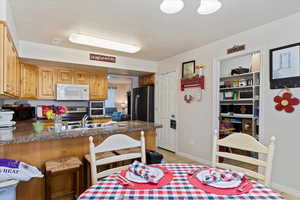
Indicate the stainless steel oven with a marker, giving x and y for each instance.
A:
(96, 109)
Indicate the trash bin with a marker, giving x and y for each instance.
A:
(8, 189)
(153, 157)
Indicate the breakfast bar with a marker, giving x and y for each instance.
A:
(37, 148)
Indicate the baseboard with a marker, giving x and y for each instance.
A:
(286, 189)
(195, 158)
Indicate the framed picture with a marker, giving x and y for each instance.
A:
(285, 67)
(188, 69)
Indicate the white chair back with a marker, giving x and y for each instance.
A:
(114, 143)
(245, 142)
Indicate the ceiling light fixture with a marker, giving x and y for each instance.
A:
(209, 6)
(101, 43)
(171, 6)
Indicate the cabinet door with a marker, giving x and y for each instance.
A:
(47, 83)
(18, 77)
(29, 81)
(65, 76)
(98, 85)
(81, 77)
(9, 66)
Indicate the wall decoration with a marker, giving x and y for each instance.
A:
(236, 48)
(103, 58)
(188, 69)
(286, 102)
(188, 98)
(285, 67)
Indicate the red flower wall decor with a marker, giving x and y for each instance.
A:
(286, 102)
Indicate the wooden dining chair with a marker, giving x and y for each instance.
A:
(114, 143)
(248, 143)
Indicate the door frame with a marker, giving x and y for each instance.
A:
(157, 104)
(216, 85)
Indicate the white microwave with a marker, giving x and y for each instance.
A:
(72, 92)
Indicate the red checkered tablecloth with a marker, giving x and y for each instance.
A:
(179, 188)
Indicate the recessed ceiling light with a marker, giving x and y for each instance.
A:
(171, 6)
(209, 6)
(101, 43)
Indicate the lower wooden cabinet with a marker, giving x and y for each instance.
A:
(98, 86)
(47, 83)
(29, 81)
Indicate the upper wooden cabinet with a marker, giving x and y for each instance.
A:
(29, 81)
(98, 85)
(81, 77)
(9, 64)
(65, 76)
(147, 80)
(47, 83)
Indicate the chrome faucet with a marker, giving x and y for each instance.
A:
(84, 121)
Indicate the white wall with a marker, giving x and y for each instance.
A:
(7, 16)
(195, 120)
(39, 51)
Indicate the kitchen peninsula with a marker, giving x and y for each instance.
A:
(35, 149)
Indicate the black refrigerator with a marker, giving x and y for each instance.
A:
(141, 104)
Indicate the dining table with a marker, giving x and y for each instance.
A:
(179, 187)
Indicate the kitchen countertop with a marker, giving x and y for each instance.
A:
(24, 132)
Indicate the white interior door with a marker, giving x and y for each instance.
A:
(167, 96)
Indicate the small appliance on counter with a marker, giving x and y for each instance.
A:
(96, 109)
(21, 112)
(6, 124)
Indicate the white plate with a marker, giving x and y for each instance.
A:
(221, 184)
(135, 178)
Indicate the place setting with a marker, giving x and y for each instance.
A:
(141, 176)
(220, 181)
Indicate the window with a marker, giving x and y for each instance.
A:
(110, 102)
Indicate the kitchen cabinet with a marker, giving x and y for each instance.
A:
(65, 76)
(18, 77)
(81, 77)
(9, 64)
(147, 80)
(98, 85)
(29, 81)
(47, 83)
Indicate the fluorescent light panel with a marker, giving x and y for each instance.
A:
(101, 43)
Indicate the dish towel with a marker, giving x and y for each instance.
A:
(221, 175)
(143, 171)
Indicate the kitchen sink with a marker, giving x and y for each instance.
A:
(78, 127)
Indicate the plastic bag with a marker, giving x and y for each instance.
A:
(17, 170)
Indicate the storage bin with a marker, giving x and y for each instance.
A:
(8, 190)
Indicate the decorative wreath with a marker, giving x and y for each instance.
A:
(286, 102)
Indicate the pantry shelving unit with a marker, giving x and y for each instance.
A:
(239, 99)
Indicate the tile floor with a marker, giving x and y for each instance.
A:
(170, 157)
